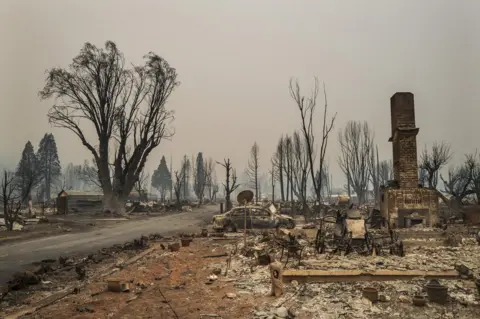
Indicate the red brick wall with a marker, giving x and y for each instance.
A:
(402, 110)
(409, 198)
(407, 166)
(404, 146)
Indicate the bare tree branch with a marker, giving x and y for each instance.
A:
(306, 106)
(230, 184)
(432, 162)
(356, 143)
(125, 106)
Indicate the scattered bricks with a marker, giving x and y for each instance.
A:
(186, 241)
(174, 247)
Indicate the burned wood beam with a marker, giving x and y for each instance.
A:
(310, 276)
(216, 256)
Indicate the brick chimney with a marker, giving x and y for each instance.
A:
(404, 139)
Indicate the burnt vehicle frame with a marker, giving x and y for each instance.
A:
(256, 217)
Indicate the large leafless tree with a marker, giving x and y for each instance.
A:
(385, 172)
(356, 143)
(316, 153)
(125, 106)
(141, 185)
(374, 172)
(288, 166)
(178, 186)
(459, 183)
(300, 167)
(476, 175)
(185, 173)
(13, 193)
(230, 184)
(432, 161)
(278, 162)
(211, 186)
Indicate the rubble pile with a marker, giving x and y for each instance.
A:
(344, 300)
(422, 258)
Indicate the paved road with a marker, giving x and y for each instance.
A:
(19, 256)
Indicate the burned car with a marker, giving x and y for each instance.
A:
(257, 217)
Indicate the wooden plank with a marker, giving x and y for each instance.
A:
(306, 276)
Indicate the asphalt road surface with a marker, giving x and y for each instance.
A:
(20, 256)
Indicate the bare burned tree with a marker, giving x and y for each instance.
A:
(209, 177)
(306, 106)
(300, 168)
(14, 192)
(459, 183)
(278, 161)
(252, 169)
(433, 161)
(230, 184)
(178, 186)
(374, 172)
(273, 178)
(385, 172)
(356, 143)
(327, 182)
(125, 106)
(476, 176)
(88, 174)
(288, 166)
(141, 185)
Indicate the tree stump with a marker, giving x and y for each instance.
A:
(276, 274)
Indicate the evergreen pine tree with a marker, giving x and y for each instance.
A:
(162, 178)
(27, 170)
(199, 177)
(48, 163)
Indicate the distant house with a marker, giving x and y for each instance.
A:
(81, 201)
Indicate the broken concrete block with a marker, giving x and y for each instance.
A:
(230, 295)
(281, 312)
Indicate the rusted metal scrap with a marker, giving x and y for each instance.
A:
(347, 232)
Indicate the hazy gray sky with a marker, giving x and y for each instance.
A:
(235, 57)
